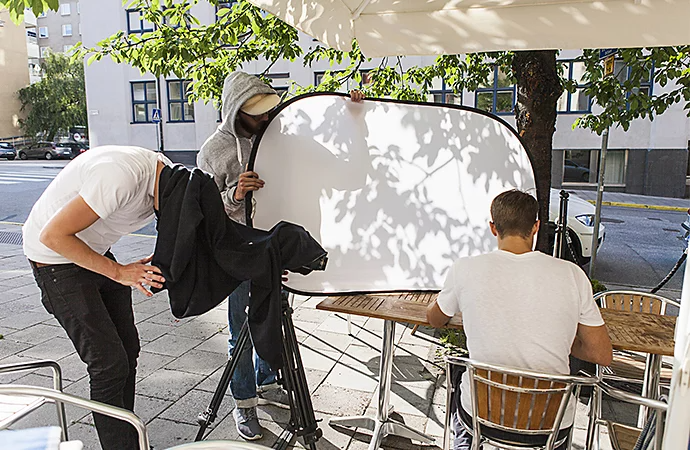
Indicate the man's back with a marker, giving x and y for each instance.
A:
(519, 310)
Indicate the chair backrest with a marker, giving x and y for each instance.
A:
(519, 401)
(634, 301)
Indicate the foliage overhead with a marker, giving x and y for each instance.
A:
(58, 101)
(17, 7)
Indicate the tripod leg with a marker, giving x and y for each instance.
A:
(207, 417)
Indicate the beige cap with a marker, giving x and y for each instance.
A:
(260, 103)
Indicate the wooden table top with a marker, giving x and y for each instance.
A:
(649, 333)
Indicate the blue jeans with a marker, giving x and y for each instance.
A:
(251, 371)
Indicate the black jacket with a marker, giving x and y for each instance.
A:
(204, 256)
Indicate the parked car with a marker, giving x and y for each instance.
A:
(580, 225)
(7, 151)
(575, 173)
(75, 148)
(44, 150)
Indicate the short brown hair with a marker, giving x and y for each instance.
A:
(514, 213)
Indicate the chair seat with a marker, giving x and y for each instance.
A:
(14, 407)
(631, 367)
(623, 437)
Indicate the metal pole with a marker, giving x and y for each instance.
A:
(600, 194)
(159, 130)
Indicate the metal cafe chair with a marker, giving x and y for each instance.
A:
(13, 408)
(627, 367)
(60, 398)
(624, 437)
(529, 405)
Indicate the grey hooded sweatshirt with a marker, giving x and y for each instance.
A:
(225, 154)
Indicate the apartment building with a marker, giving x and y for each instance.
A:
(58, 31)
(18, 61)
(650, 158)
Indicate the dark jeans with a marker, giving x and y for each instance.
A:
(97, 314)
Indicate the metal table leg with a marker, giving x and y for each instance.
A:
(650, 386)
(382, 425)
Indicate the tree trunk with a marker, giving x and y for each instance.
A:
(538, 90)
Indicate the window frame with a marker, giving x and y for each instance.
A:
(182, 101)
(43, 52)
(65, 9)
(64, 32)
(141, 29)
(40, 36)
(145, 102)
(568, 105)
(445, 91)
(495, 90)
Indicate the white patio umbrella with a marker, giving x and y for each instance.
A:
(432, 27)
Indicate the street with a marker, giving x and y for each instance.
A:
(641, 245)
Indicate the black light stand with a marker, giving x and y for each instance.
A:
(562, 228)
(302, 420)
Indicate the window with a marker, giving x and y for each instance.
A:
(622, 72)
(44, 52)
(498, 95)
(42, 32)
(578, 101)
(440, 93)
(65, 9)
(581, 166)
(280, 82)
(144, 100)
(136, 24)
(67, 29)
(224, 5)
(179, 108)
(351, 83)
(67, 48)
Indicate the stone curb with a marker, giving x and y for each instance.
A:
(642, 206)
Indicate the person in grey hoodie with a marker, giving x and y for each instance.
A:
(246, 103)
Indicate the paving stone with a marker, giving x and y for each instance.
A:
(164, 318)
(314, 378)
(310, 315)
(337, 324)
(149, 331)
(86, 433)
(223, 430)
(218, 315)
(11, 377)
(350, 402)
(332, 439)
(273, 413)
(164, 434)
(10, 347)
(38, 333)
(210, 383)
(148, 408)
(18, 281)
(148, 363)
(217, 343)
(55, 348)
(197, 329)
(171, 345)
(73, 369)
(318, 359)
(325, 340)
(24, 319)
(194, 402)
(18, 306)
(199, 362)
(168, 384)
(436, 423)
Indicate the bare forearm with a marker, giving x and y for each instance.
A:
(74, 249)
(598, 354)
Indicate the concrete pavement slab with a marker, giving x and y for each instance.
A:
(168, 384)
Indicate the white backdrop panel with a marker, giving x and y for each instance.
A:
(395, 192)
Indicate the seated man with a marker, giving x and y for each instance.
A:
(520, 308)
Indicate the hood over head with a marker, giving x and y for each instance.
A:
(237, 89)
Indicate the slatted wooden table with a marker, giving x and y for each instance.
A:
(640, 332)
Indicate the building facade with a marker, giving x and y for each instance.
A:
(650, 158)
(58, 31)
(18, 58)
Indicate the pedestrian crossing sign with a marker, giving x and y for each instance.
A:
(155, 115)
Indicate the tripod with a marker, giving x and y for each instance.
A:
(302, 420)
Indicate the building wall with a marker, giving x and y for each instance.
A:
(639, 161)
(54, 21)
(15, 73)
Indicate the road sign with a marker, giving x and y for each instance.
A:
(609, 64)
(155, 115)
(606, 52)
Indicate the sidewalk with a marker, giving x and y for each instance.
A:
(634, 200)
(181, 362)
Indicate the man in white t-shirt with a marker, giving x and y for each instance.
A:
(96, 199)
(520, 308)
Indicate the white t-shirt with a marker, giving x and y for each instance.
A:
(519, 311)
(117, 182)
